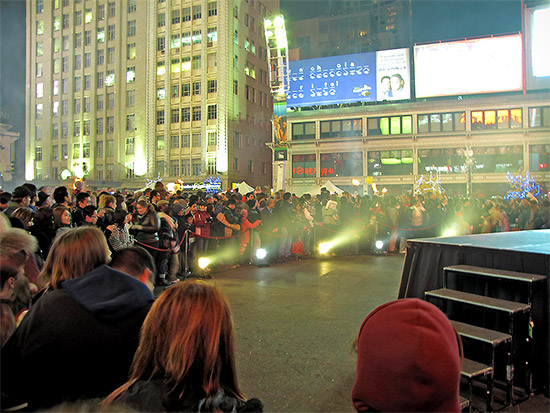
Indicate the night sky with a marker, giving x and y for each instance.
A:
(437, 20)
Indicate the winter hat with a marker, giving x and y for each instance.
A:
(20, 192)
(162, 203)
(177, 208)
(408, 360)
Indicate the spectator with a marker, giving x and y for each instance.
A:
(120, 237)
(186, 357)
(137, 262)
(408, 360)
(62, 218)
(82, 201)
(5, 198)
(20, 198)
(43, 229)
(61, 197)
(89, 216)
(86, 326)
(146, 226)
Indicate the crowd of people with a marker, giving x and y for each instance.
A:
(78, 271)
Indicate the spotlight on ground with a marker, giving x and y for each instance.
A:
(260, 258)
(379, 245)
(203, 263)
(449, 232)
(325, 247)
(261, 253)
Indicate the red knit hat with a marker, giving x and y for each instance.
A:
(408, 360)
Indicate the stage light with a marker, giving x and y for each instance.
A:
(325, 247)
(379, 244)
(449, 232)
(203, 263)
(261, 253)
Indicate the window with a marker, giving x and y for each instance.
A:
(99, 171)
(110, 124)
(175, 141)
(212, 86)
(236, 164)
(110, 101)
(87, 59)
(87, 82)
(174, 168)
(212, 8)
(38, 133)
(185, 89)
(246, 19)
(39, 6)
(161, 93)
(99, 80)
(111, 32)
(250, 70)
(176, 16)
(131, 122)
(76, 131)
(197, 12)
(174, 115)
(111, 9)
(197, 167)
(484, 119)
(160, 117)
(131, 51)
(161, 44)
(64, 134)
(160, 142)
(539, 117)
(110, 148)
(197, 37)
(86, 130)
(55, 109)
(539, 158)
(236, 12)
(196, 88)
(131, 28)
(442, 122)
(77, 62)
(185, 167)
(86, 150)
(39, 49)
(175, 66)
(175, 41)
(250, 165)
(395, 162)
(88, 16)
(236, 87)
(77, 17)
(130, 74)
(161, 20)
(212, 138)
(212, 35)
(197, 140)
(175, 91)
(185, 114)
(130, 141)
(77, 83)
(132, 6)
(101, 35)
(38, 153)
(393, 125)
(87, 105)
(99, 149)
(65, 21)
(55, 153)
(110, 78)
(196, 62)
(212, 112)
(212, 61)
(185, 140)
(186, 39)
(77, 40)
(100, 12)
(99, 126)
(161, 69)
(305, 130)
(186, 14)
(65, 86)
(498, 159)
(196, 113)
(130, 98)
(64, 107)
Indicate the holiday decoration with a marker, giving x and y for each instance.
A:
(154, 181)
(429, 184)
(522, 186)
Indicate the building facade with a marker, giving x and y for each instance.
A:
(125, 91)
(353, 27)
(392, 145)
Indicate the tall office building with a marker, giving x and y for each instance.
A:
(123, 91)
(353, 26)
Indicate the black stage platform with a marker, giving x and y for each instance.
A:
(521, 251)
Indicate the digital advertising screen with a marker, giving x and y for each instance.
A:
(364, 77)
(537, 47)
(466, 67)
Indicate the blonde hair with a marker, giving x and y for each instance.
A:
(105, 201)
(74, 253)
(25, 215)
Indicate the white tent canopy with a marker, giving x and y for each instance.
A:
(333, 189)
(316, 189)
(244, 188)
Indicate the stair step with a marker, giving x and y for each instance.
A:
(481, 334)
(464, 403)
(493, 272)
(472, 369)
(497, 304)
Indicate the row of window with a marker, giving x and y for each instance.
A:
(184, 39)
(185, 14)
(186, 63)
(187, 114)
(100, 53)
(186, 140)
(187, 89)
(487, 159)
(111, 9)
(427, 123)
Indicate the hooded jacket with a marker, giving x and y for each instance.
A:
(76, 342)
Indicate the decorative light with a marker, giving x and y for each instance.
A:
(203, 262)
(430, 183)
(522, 186)
(153, 181)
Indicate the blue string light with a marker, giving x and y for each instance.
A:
(522, 185)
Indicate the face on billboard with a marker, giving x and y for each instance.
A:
(347, 78)
(468, 67)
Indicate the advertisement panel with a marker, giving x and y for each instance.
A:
(364, 77)
(537, 47)
(467, 67)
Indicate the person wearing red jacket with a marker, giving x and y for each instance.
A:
(202, 219)
(246, 226)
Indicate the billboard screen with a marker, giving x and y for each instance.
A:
(467, 67)
(537, 47)
(364, 77)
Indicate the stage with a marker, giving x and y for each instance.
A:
(521, 251)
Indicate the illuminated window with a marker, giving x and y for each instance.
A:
(130, 74)
(131, 51)
(394, 162)
(56, 23)
(56, 45)
(175, 66)
(161, 69)
(212, 35)
(389, 125)
(40, 27)
(39, 110)
(100, 34)
(197, 37)
(186, 39)
(160, 142)
(161, 93)
(110, 78)
(185, 64)
(88, 16)
(175, 41)
(39, 49)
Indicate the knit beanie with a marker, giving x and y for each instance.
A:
(408, 360)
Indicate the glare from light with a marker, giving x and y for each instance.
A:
(325, 247)
(268, 23)
(449, 232)
(379, 244)
(384, 190)
(261, 253)
(279, 21)
(355, 182)
(78, 171)
(171, 187)
(268, 34)
(203, 262)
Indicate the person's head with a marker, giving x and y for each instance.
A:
(250, 196)
(137, 262)
(61, 195)
(89, 213)
(5, 198)
(83, 199)
(44, 220)
(177, 209)
(231, 203)
(74, 253)
(107, 201)
(8, 277)
(163, 205)
(187, 338)
(397, 82)
(62, 216)
(385, 84)
(25, 215)
(21, 195)
(32, 189)
(44, 200)
(252, 203)
(408, 359)
(155, 196)
(142, 207)
(270, 203)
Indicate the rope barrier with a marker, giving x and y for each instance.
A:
(407, 229)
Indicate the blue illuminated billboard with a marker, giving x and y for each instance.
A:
(364, 77)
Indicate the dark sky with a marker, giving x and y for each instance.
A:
(437, 20)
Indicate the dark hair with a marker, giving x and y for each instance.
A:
(118, 217)
(5, 197)
(154, 192)
(81, 196)
(31, 187)
(6, 273)
(286, 196)
(133, 261)
(231, 201)
(59, 194)
(88, 211)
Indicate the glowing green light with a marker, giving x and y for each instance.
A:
(268, 23)
(279, 21)
(65, 174)
(203, 262)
